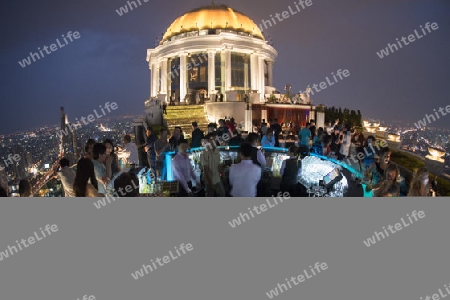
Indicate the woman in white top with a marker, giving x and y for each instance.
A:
(346, 142)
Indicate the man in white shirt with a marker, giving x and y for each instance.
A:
(345, 146)
(67, 177)
(329, 129)
(183, 170)
(244, 176)
(99, 151)
(129, 152)
(336, 123)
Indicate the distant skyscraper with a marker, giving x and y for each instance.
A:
(29, 160)
(62, 118)
(20, 167)
(69, 141)
(3, 179)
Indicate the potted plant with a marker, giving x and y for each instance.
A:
(272, 98)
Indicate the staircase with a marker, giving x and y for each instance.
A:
(184, 115)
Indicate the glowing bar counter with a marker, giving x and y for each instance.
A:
(314, 167)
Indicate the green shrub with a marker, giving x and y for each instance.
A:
(411, 162)
(407, 161)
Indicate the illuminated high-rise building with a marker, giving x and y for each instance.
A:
(19, 167)
(69, 143)
(3, 179)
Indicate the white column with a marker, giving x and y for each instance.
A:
(211, 73)
(227, 70)
(158, 78)
(270, 73)
(254, 72)
(222, 71)
(163, 84)
(169, 79)
(261, 77)
(320, 119)
(183, 76)
(248, 125)
(246, 77)
(151, 79)
(155, 80)
(264, 115)
(312, 115)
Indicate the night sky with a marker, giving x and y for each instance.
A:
(107, 63)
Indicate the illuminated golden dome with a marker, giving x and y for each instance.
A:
(213, 17)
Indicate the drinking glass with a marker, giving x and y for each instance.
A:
(310, 191)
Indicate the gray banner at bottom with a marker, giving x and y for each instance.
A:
(224, 248)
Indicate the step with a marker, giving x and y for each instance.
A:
(184, 115)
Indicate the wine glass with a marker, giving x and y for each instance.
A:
(309, 189)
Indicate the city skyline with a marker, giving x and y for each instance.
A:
(107, 60)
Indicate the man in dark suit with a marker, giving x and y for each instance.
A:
(197, 136)
(276, 131)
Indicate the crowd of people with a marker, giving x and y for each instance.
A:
(369, 155)
(94, 171)
(103, 161)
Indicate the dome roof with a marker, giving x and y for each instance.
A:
(213, 17)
